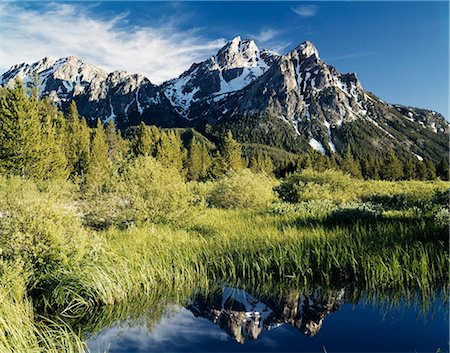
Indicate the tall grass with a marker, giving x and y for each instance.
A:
(391, 239)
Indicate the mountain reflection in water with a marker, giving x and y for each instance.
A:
(242, 316)
(269, 318)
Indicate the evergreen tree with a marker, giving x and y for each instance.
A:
(98, 170)
(409, 168)
(20, 135)
(262, 162)
(84, 147)
(431, 170)
(231, 153)
(198, 160)
(146, 140)
(117, 147)
(194, 160)
(442, 169)
(170, 151)
(392, 168)
(53, 155)
(365, 168)
(349, 165)
(421, 171)
(73, 131)
(78, 142)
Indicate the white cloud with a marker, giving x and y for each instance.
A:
(266, 35)
(305, 10)
(160, 51)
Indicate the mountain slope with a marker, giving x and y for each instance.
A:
(126, 98)
(294, 102)
(326, 109)
(236, 65)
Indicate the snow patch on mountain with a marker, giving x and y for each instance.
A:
(235, 66)
(317, 145)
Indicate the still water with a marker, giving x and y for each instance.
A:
(229, 319)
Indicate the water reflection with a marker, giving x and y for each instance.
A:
(243, 316)
(276, 318)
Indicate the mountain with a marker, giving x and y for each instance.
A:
(326, 110)
(245, 317)
(126, 98)
(293, 102)
(235, 66)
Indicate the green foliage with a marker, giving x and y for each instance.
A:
(145, 140)
(242, 189)
(442, 169)
(392, 169)
(170, 151)
(145, 191)
(37, 228)
(309, 184)
(29, 143)
(152, 192)
(350, 165)
(231, 153)
(198, 160)
(261, 163)
(98, 172)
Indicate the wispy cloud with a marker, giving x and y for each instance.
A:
(161, 51)
(266, 35)
(305, 10)
(348, 56)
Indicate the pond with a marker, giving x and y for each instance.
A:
(229, 319)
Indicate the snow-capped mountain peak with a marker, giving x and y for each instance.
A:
(308, 49)
(236, 65)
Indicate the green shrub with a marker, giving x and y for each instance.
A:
(38, 229)
(312, 185)
(242, 189)
(150, 192)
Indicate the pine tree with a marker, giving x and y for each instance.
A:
(98, 170)
(73, 136)
(442, 169)
(231, 153)
(431, 170)
(146, 140)
(84, 148)
(421, 171)
(20, 135)
(170, 151)
(117, 147)
(392, 168)
(409, 168)
(262, 163)
(194, 160)
(253, 164)
(365, 168)
(349, 165)
(53, 153)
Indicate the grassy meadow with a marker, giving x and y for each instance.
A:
(67, 254)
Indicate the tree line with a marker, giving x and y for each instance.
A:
(39, 141)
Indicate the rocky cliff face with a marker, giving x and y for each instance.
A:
(259, 95)
(126, 98)
(234, 67)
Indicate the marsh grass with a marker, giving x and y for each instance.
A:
(392, 241)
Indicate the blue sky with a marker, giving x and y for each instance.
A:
(400, 50)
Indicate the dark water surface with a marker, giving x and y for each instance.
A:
(232, 320)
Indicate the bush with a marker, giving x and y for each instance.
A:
(150, 192)
(38, 229)
(242, 189)
(312, 185)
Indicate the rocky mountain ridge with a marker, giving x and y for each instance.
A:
(257, 94)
